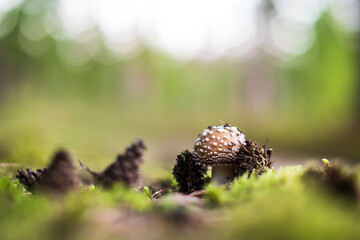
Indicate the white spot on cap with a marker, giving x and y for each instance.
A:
(242, 138)
(234, 129)
(218, 143)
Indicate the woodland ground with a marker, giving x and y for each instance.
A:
(290, 203)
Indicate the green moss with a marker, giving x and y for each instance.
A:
(215, 194)
(275, 205)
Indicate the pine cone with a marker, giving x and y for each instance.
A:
(189, 175)
(254, 158)
(30, 178)
(61, 176)
(125, 169)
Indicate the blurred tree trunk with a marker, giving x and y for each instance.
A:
(7, 75)
(259, 88)
(357, 67)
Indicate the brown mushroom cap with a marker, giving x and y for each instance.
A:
(218, 145)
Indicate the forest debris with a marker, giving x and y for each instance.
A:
(253, 158)
(190, 175)
(156, 194)
(336, 179)
(125, 169)
(61, 175)
(29, 178)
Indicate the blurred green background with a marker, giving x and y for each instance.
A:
(93, 75)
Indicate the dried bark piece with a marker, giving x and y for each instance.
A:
(29, 178)
(61, 175)
(125, 169)
(189, 174)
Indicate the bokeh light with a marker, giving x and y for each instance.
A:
(165, 69)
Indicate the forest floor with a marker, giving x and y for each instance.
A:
(291, 202)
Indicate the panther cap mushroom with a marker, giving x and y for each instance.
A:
(218, 146)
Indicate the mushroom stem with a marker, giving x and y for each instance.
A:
(222, 174)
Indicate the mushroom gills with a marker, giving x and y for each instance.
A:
(222, 174)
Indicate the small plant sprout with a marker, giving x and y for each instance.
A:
(147, 191)
(218, 146)
(326, 162)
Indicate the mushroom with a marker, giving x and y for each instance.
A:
(218, 146)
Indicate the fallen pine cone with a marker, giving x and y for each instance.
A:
(125, 169)
(29, 178)
(189, 175)
(61, 175)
